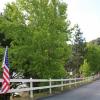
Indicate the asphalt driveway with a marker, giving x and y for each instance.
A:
(87, 92)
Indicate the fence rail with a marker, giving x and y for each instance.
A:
(61, 83)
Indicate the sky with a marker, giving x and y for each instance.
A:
(85, 13)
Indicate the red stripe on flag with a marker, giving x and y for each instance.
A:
(6, 69)
(6, 76)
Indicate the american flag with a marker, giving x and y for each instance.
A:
(6, 76)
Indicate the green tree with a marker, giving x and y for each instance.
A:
(85, 69)
(79, 50)
(93, 57)
(39, 31)
(4, 41)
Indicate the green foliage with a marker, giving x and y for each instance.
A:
(1, 59)
(93, 57)
(85, 69)
(1, 56)
(39, 30)
(79, 50)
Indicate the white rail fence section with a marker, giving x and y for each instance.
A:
(62, 83)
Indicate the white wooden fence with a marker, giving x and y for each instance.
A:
(61, 83)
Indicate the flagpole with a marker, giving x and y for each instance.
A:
(4, 56)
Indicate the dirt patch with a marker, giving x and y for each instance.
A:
(23, 96)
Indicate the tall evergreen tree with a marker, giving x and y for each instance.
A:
(79, 51)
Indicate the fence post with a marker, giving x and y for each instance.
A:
(50, 84)
(87, 79)
(62, 85)
(31, 86)
(75, 82)
(83, 80)
(69, 82)
(92, 78)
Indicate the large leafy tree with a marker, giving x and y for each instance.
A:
(39, 30)
(4, 41)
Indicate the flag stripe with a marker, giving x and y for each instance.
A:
(6, 89)
(6, 79)
(4, 84)
(6, 68)
(6, 72)
(6, 76)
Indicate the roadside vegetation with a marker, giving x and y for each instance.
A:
(38, 33)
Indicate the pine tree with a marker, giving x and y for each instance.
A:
(79, 50)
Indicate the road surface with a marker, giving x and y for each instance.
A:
(87, 92)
